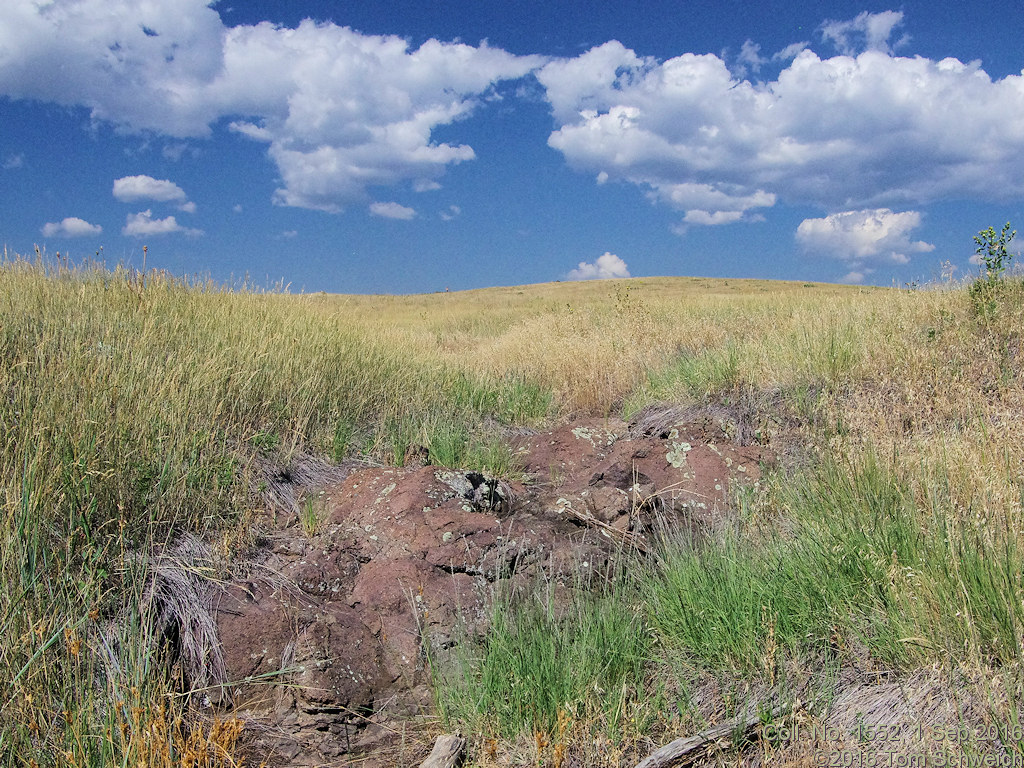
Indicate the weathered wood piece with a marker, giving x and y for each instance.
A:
(447, 752)
(688, 747)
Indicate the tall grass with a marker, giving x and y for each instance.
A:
(857, 560)
(544, 662)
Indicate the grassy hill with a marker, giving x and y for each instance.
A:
(134, 409)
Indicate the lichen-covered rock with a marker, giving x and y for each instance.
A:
(331, 633)
(337, 663)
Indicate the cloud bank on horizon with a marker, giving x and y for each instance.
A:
(344, 114)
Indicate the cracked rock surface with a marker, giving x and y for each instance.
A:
(325, 638)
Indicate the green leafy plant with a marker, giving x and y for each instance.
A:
(987, 291)
(991, 249)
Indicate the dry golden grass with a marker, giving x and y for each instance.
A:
(592, 344)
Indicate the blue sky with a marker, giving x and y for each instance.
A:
(416, 146)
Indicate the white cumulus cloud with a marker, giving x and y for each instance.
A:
(868, 235)
(606, 266)
(143, 224)
(355, 110)
(841, 133)
(393, 211)
(128, 189)
(339, 110)
(71, 227)
(136, 65)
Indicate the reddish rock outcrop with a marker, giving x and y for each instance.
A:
(329, 634)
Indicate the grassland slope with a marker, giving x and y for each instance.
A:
(137, 409)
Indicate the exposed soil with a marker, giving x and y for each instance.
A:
(325, 638)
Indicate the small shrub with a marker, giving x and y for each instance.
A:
(993, 252)
(986, 292)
